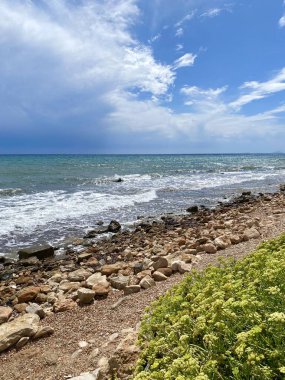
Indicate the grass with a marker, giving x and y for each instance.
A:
(225, 323)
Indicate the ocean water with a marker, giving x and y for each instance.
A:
(51, 198)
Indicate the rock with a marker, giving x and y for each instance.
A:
(166, 271)
(28, 294)
(120, 282)
(43, 332)
(97, 279)
(84, 256)
(162, 262)
(114, 226)
(64, 305)
(101, 290)
(158, 276)
(5, 314)
(41, 252)
(30, 261)
(181, 267)
(235, 239)
(193, 209)
(147, 282)
(209, 248)
(34, 308)
(222, 242)
(92, 262)
(22, 342)
(96, 231)
(83, 344)
(251, 233)
(184, 268)
(282, 187)
(85, 296)
(24, 326)
(131, 289)
(78, 275)
(118, 180)
(109, 269)
(95, 375)
(138, 267)
(20, 307)
(67, 286)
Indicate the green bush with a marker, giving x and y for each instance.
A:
(225, 323)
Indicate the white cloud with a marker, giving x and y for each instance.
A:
(213, 12)
(282, 22)
(260, 90)
(179, 32)
(186, 60)
(186, 18)
(179, 47)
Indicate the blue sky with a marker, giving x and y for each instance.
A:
(142, 76)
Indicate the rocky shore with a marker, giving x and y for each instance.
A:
(87, 305)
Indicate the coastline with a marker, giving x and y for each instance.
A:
(196, 239)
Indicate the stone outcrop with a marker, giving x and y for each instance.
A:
(41, 252)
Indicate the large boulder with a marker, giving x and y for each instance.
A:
(41, 252)
(11, 332)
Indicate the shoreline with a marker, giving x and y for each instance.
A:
(195, 240)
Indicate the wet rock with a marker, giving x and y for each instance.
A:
(193, 209)
(11, 332)
(41, 252)
(282, 187)
(114, 226)
(85, 296)
(96, 231)
(28, 294)
(5, 314)
(118, 180)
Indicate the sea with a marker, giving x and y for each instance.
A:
(56, 198)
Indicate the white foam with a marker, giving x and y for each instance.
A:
(27, 212)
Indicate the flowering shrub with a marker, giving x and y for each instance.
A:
(225, 323)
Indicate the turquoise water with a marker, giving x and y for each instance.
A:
(48, 198)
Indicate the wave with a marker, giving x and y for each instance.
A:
(25, 213)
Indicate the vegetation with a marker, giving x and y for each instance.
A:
(225, 323)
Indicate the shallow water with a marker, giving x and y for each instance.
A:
(48, 198)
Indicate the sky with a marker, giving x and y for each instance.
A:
(142, 76)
